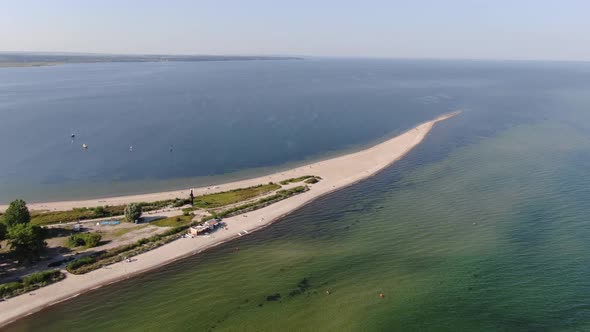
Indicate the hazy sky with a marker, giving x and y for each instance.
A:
(497, 29)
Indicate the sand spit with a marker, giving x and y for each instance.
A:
(336, 174)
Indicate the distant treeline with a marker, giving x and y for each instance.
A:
(90, 58)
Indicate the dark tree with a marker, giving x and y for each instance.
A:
(26, 241)
(17, 213)
(2, 231)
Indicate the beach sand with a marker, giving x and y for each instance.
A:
(336, 174)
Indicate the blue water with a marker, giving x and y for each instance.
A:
(482, 227)
(220, 118)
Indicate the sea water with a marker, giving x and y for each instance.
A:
(161, 126)
(482, 227)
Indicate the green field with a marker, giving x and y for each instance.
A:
(173, 221)
(233, 196)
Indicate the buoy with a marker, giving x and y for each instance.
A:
(73, 135)
(381, 295)
(84, 146)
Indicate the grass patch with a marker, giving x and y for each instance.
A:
(301, 178)
(55, 217)
(313, 180)
(259, 204)
(30, 282)
(233, 196)
(123, 231)
(173, 221)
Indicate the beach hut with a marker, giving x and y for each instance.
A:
(198, 230)
(206, 227)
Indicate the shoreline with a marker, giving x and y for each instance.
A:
(337, 173)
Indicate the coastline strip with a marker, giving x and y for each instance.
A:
(336, 174)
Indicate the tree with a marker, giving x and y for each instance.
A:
(132, 212)
(17, 213)
(26, 241)
(2, 231)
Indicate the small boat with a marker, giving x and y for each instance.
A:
(131, 148)
(85, 146)
(73, 135)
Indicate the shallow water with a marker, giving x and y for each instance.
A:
(482, 227)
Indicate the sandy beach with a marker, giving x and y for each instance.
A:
(336, 173)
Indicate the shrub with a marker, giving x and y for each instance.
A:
(312, 180)
(80, 262)
(9, 288)
(100, 212)
(180, 202)
(87, 240)
(299, 179)
(30, 282)
(41, 278)
(132, 212)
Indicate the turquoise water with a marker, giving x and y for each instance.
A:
(483, 227)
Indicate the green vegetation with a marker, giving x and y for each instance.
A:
(132, 212)
(104, 258)
(177, 202)
(26, 242)
(308, 179)
(30, 282)
(76, 214)
(54, 217)
(313, 180)
(122, 231)
(17, 213)
(233, 196)
(279, 196)
(86, 240)
(2, 231)
(173, 221)
(80, 262)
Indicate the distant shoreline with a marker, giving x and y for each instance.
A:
(16, 60)
(336, 173)
(28, 64)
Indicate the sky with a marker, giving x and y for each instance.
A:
(462, 29)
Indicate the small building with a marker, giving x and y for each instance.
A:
(206, 227)
(196, 230)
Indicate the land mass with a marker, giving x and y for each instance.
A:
(335, 174)
(29, 59)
